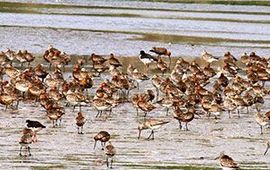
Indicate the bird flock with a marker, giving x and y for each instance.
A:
(187, 90)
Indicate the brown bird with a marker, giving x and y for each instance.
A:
(184, 117)
(80, 121)
(162, 66)
(162, 51)
(110, 152)
(227, 162)
(97, 58)
(103, 137)
(26, 140)
(114, 61)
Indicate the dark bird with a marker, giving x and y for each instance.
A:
(31, 124)
(147, 59)
(103, 137)
(35, 126)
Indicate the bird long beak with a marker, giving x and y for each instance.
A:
(266, 150)
(95, 144)
(216, 158)
(139, 134)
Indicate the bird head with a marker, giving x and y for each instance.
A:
(220, 155)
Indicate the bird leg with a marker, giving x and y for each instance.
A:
(107, 161)
(157, 93)
(74, 107)
(29, 150)
(263, 83)
(103, 145)
(167, 111)
(20, 151)
(60, 121)
(95, 144)
(208, 113)
(152, 133)
(82, 130)
(111, 162)
(238, 112)
(186, 127)
(145, 113)
(23, 95)
(261, 129)
(98, 114)
(180, 125)
(229, 112)
(78, 129)
(17, 105)
(138, 86)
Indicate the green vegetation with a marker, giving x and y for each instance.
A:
(192, 40)
(182, 167)
(222, 2)
(35, 8)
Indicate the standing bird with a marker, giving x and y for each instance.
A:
(262, 120)
(26, 140)
(184, 117)
(114, 61)
(103, 137)
(80, 121)
(209, 58)
(110, 152)
(35, 126)
(147, 59)
(162, 51)
(151, 124)
(227, 162)
(162, 66)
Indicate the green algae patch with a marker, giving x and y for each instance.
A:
(156, 166)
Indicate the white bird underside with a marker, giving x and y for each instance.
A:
(146, 60)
